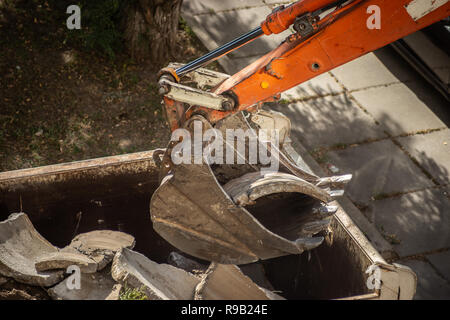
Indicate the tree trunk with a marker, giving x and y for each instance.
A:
(151, 28)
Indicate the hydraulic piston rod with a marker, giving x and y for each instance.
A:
(221, 51)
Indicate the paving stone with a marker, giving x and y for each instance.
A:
(158, 281)
(398, 109)
(101, 245)
(210, 29)
(378, 168)
(95, 286)
(193, 7)
(430, 286)
(319, 86)
(20, 246)
(329, 121)
(227, 282)
(441, 261)
(432, 151)
(373, 69)
(418, 220)
(62, 260)
(231, 66)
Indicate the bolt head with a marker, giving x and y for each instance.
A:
(227, 105)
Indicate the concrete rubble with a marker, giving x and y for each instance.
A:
(158, 281)
(227, 282)
(101, 245)
(97, 286)
(29, 259)
(62, 260)
(162, 281)
(20, 247)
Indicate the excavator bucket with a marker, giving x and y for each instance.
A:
(238, 214)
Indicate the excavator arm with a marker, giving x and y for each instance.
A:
(328, 34)
(239, 212)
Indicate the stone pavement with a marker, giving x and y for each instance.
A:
(373, 117)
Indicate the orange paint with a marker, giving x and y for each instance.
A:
(343, 37)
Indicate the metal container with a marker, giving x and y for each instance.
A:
(114, 193)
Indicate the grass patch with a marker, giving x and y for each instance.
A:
(133, 294)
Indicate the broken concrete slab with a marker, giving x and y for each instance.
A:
(62, 260)
(101, 245)
(101, 257)
(415, 222)
(94, 286)
(177, 260)
(13, 290)
(432, 152)
(3, 280)
(227, 282)
(157, 281)
(20, 247)
(102, 240)
(379, 169)
(441, 261)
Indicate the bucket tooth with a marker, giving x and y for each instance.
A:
(251, 186)
(326, 210)
(336, 193)
(334, 181)
(305, 244)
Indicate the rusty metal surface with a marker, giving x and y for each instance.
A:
(100, 167)
(197, 216)
(202, 210)
(252, 186)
